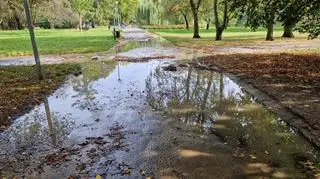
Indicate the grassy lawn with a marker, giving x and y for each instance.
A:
(20, 89)
(17, 43)
(233, 36)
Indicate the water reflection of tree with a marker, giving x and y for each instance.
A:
(208, 100)
(40, 127)
(92, 71)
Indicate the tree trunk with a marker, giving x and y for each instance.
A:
(80, 22)
(187, 22)
(33, 40)
(288, 32)
(196, 26)
(195, 10)
(219, 31)
(208, 25)
(270, 32)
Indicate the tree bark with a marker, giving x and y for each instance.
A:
(270, 31)
(195, 10)
(186, 20)
(219, 27)
(219, 31)
(33, 40)
(196, 26)
(80, 22)
(288, 32)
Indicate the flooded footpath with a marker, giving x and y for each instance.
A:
(146, 114)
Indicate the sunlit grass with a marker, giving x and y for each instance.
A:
(15, 43)
(233, 36)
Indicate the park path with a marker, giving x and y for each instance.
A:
(153, 111)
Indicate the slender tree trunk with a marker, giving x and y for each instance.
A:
(80, 22)
(33, 40)
(208, 25)
(288, 32)
(270, 31)
(186, 20)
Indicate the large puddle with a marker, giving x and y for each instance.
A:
(135, 119)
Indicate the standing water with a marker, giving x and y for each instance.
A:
(137, 120)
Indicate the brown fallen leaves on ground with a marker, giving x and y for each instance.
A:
(20, 89)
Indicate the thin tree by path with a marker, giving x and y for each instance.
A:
(33, 40)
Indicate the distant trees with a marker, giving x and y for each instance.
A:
(301, 15)
(176, 8)
(81, 7)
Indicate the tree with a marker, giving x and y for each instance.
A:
(33, 40)
(58, 14)
(4, 12)
(292, 11)
(311, 20)
(81, 7)
(178, 8)
(207, 12)
(128, 10)
(16, 9)
(228, 12)
(261, 13)
(195, 5)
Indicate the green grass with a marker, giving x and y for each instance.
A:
(231, 36)
(16, 43)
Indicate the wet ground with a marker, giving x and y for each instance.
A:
(137, 120)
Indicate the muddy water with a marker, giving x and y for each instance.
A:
(135, 120)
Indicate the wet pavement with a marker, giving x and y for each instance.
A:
(137, 120)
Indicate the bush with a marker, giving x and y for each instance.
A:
(44, 23)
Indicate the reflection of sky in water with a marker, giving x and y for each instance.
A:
(231, 88)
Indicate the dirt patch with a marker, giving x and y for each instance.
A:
(20, 89)
(292, 80)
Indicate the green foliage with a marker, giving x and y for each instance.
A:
(44, 23)
(81, 6)
(310, 22)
